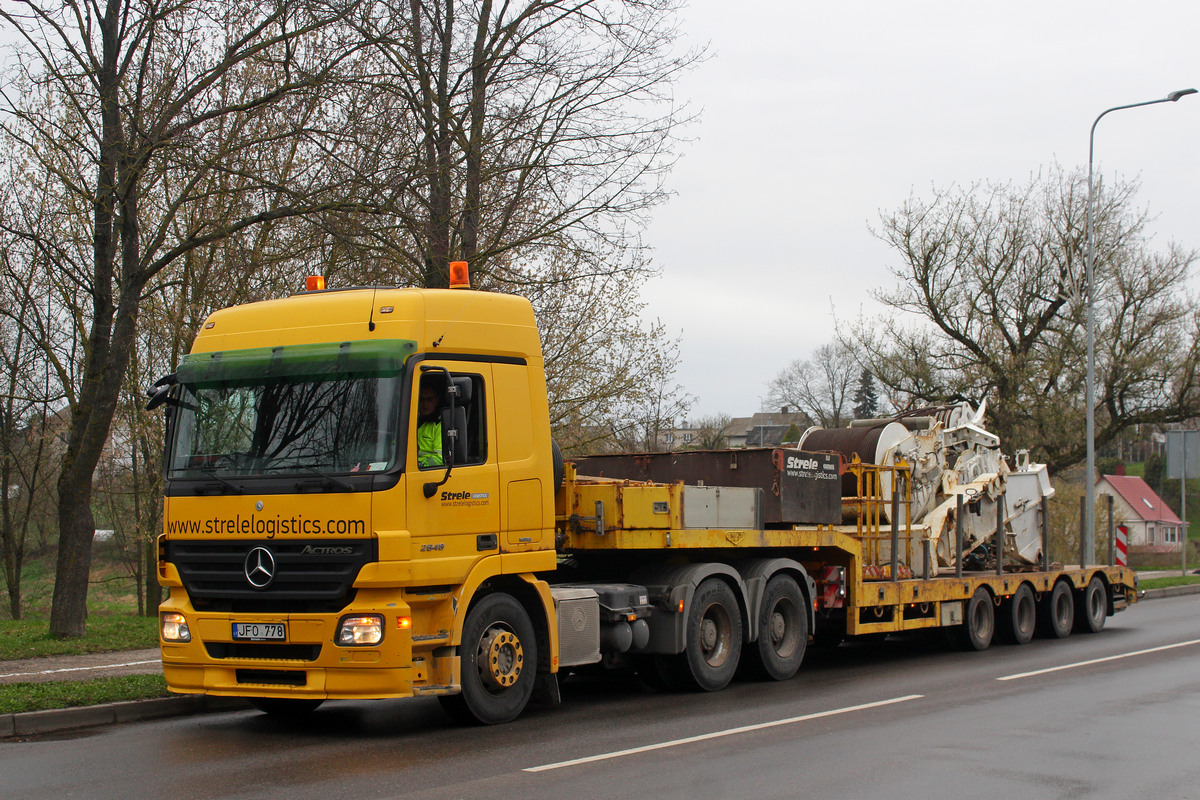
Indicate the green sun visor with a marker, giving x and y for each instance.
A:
(324, 361)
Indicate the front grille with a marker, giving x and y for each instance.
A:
(306, 577)
(264, 650)
(274, 677)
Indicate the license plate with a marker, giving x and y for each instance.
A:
(260, 631)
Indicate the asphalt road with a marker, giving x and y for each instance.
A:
(1118, 715)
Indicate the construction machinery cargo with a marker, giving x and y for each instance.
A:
(363, 501)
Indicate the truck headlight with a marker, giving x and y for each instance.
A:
(360, 631)
(173, 627)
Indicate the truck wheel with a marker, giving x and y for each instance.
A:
(782, 631)
(284, 707)
(976, 631)
(714, 637)
(1020, 617)
(498, 663)
(1092, 609)
(1056, 614)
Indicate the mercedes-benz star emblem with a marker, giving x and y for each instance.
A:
(260, 567)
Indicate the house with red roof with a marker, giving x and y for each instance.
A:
(1148, 520)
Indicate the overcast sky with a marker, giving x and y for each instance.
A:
(815, 117)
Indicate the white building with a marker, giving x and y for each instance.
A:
(1148, 520)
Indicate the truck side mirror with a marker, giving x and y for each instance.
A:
(160, 392)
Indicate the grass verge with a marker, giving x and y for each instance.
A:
(30, 638)
(16, 698)
(1163, 583)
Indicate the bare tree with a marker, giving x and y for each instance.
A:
(603, 361)
(822, 386)
(712, 433)
(126, 107)
(992, 307)
(31, 357)
(28, 445)
(528, 129)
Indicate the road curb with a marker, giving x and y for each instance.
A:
(57, 720)
(1170, 591)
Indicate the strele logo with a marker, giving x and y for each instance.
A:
(309, 550)
(802, 463)
(456, 495)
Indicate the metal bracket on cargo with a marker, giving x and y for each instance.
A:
(596, 522)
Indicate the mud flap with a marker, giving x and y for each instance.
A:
(545, 690)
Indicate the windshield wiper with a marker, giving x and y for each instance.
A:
(328, 479)
(212, 473)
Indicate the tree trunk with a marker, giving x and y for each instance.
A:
(90, 414)
(68, 610)
(473, 191)
(151, 466)
(12, 551)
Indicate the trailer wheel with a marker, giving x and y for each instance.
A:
(1091, 612)
(714, 637)
(980, 624)
(1020, 618)
(498, 663)
(782, 631)
(285, 707)
(1056, 614)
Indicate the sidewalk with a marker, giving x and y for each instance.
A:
(148, 662)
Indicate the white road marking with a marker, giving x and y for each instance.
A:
(718, 734)
(81, 669)
(1098, 660)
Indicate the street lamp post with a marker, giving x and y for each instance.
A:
(1089, 531)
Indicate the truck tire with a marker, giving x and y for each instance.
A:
(1092, 608)
(1020, 616)
(1056, 612)
(714, 637)
(782, 631)
(284, 707)
(979, 623)
(498, 663)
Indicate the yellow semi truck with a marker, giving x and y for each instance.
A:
(312, 551)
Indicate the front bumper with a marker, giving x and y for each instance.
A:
(308, 665)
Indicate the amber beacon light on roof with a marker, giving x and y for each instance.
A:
(460, 276)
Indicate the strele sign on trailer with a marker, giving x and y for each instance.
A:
(808, 466)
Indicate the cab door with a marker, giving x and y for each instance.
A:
(457, 524)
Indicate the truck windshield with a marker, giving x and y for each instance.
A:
(328, 409)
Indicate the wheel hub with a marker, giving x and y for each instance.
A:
(708, 634)
(778, 627)
(501, 658)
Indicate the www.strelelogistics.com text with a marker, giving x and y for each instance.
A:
(269, 527)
